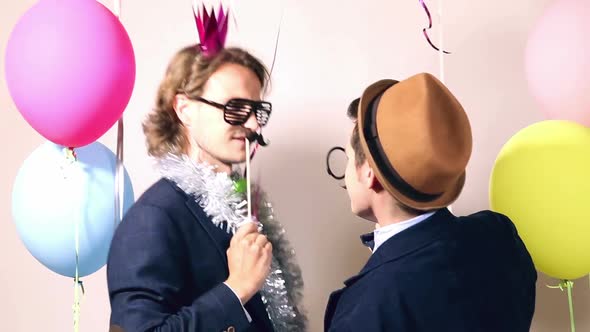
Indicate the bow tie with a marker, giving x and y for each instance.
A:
(368, 240)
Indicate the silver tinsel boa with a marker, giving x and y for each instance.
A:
(214, 192)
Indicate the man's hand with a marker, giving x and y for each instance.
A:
(249, 256)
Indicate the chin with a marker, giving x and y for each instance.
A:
(232, 156)
(233, 161)
(364, 213)
(367, 215)
(355, 210)
(239, 157)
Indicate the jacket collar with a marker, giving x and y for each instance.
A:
(408, 241)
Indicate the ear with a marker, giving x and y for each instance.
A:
(371, 180)
(181, 107)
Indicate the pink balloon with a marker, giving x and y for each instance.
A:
(558, 61)
(70, 69)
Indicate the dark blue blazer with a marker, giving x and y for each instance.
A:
(166, 268)
(447, 273)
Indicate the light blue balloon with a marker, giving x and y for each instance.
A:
(52, 194)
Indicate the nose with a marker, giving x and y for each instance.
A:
(252, 123)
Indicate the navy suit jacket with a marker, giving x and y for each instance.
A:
(447, 273)
(166, 268)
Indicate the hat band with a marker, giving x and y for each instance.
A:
(381, 160)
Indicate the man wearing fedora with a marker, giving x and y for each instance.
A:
(429, 270)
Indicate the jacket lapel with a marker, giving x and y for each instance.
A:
(408, 241)
(331, 308)
(399, 245)
(219, 237)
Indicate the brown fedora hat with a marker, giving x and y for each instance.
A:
(417, 139)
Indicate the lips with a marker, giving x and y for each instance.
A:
(251, 137)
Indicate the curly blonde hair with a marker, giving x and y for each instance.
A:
(187, 73)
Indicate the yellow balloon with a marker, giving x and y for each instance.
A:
(541, 180)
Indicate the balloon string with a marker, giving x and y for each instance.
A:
(568, 285)
(77, 282)
(71, 158)
(120, 169)
(274, 57)
(71, 154)
(119, 173)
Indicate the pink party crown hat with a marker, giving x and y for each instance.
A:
(212, 29)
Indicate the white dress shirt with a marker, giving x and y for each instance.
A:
(383, 234)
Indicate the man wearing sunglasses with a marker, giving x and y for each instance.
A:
(181, 259)
(429, 270)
